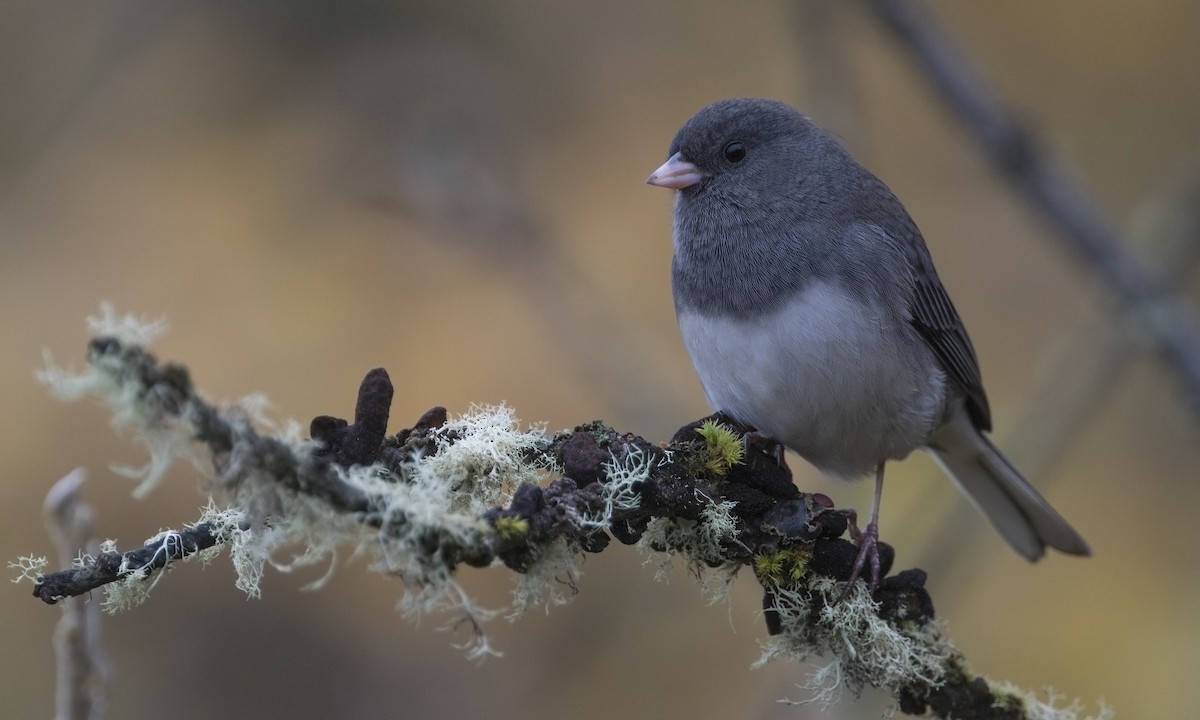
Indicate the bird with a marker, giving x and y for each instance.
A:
(812, 312)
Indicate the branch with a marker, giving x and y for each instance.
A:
(84, 673)
(1072, 384)
(1014, 151)
(449, 492)
(100, 569)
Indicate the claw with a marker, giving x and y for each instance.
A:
(868, 554)
(867, 541)
(755, 439)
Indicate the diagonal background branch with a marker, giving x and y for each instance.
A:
(1151, 310)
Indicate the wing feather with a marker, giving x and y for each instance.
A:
(931, 312)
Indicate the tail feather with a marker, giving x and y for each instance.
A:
(1014, 507)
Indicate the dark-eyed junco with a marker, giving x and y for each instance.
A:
(812, 312)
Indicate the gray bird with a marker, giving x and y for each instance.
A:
(812, 312)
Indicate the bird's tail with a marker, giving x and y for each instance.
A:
(1018, 511)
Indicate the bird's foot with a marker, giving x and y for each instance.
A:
(867, 540)
(768, 444)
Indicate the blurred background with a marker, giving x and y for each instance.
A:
(454, 191)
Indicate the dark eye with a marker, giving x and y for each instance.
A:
(734, 152)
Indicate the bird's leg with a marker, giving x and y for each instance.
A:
(867, 540)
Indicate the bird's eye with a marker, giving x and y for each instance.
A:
(735, 152)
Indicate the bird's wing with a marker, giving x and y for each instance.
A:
(935, 318)
(931, 312)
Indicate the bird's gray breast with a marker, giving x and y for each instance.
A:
(825, 372)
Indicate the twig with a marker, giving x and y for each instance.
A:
(103, 568)
(84, 673)
(1091, 362)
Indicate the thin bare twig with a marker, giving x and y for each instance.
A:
(1075, 383)
(84, 673)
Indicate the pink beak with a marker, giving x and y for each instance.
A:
(676, 173)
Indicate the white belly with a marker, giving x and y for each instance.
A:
(825, 376)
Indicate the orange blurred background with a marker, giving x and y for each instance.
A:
(454, 191)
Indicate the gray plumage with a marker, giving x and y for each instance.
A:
(812, 311)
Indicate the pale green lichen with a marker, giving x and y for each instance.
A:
(1054, 707)
(480, 461)
(164, 437)
(129, 329)
(549, 582)
(622, 478)
(28, 567)
(481, 457)
(866, 648)
(699, 543)
(229, 525)
(137, 582)
(717, 526)
(551, 579)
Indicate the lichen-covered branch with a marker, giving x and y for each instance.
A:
(110, 566)
(473, 489)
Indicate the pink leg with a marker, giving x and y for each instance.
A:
(868, 540)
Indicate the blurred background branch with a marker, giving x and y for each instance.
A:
(1151, 311)
(1165, 235)
(83, 670)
